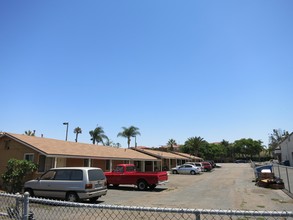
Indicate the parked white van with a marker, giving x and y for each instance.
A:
(69, 183)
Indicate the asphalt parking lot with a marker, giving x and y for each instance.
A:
(229, 187)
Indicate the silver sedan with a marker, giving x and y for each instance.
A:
(186, 169)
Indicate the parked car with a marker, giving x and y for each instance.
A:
(69, 183)
(127, 174)
(285, 163)
(207, 166)
(186, 169)
(197, 164)
(218, 165)
(212, 163)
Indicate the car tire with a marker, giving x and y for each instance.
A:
(192, 172)
(175, 172)
(142, 185)
(72, 197)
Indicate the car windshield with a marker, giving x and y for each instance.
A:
(48, 175)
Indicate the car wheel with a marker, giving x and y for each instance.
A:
(141, 185)
(72, 197)
(192, 172)
(174, 172)
(30, 192)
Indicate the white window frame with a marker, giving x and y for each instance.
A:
(31, 157)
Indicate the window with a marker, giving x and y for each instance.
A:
(95, 175)
(130, 168)
(68, 175)
(48, 176)
(76, 175)
(118, 169)
(29, 157)
(62, 175)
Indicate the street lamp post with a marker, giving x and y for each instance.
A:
(66, 123)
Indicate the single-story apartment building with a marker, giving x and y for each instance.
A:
(189, 156)
(168, 159)
(48, 153)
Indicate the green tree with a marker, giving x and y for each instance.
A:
(248, 147)
(108, 143)
(205, 150)
(193, 144)
(98, 135)
(171, 144)
(30, 133)
(117, 145)
(128, 133)
(228, 150)
(276, 138)
(77, 131)
(13, 178)
(112, 144)
(212, 151)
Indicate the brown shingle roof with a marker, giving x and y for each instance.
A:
(188, 156)
(53, 147)
(162, 154)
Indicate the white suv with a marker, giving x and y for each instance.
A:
(69, 183)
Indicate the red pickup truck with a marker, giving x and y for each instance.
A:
(126, 174)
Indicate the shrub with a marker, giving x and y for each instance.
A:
(13, 178)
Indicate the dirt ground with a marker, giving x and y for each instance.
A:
(228, 188)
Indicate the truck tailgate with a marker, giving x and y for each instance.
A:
(163, 176)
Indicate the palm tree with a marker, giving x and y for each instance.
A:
(128, 133)
(171, 144)
(98, 135)
(30, 133)
(194, 144)
(117, 145)
(77, 131)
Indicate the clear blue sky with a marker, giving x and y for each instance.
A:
(174, 69)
